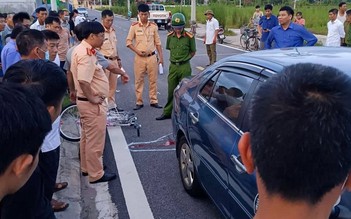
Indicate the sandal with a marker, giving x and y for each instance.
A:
(60, 186)
(58, 206)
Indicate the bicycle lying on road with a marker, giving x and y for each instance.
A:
(70, 128)
(249, 39)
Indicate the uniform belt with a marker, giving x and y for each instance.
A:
(179, 63)
(151, 54)
(111, 58)
(82, 98)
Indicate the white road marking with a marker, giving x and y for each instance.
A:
(135, 198)
(200, 68)
(103, 202)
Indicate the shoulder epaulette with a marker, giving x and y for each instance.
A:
(153, 23)
(190, 35)
(170, 33)
(135, 23)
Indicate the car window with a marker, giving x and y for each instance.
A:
(228, 94)
(206, 90)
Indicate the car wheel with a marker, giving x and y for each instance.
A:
(187, 169)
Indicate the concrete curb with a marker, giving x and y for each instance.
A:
(69, 171)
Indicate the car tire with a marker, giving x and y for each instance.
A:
(187, 169)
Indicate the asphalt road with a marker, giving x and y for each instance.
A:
(153, 152)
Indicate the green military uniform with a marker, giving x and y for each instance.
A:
(180, 54)
(347, 27)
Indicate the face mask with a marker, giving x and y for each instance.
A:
(47, 55)
(342, 188)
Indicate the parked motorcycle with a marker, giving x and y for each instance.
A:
(220, 35)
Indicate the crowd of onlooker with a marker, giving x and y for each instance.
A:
(274, 31)
(51, 56)
(33, 54)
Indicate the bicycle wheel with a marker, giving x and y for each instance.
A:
(70, 123)
(243, 39)
(252, 43)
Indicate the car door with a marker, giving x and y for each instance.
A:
(242, 186)
(214, 118)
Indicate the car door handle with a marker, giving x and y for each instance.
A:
(239, 166)
(194, 117)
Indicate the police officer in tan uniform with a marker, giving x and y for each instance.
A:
(146, 41)
(109, 50)
(92, 89)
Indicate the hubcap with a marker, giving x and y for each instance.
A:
(186, 165)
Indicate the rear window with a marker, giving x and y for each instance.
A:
(156, 8)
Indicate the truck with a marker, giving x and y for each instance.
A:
(160, 16)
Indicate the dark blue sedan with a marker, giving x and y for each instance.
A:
(210, 114)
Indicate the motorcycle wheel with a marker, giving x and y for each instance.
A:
(219, 40)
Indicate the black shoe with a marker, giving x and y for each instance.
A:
(105, 178)
(155, 105)
(163, 117)
(138, 107)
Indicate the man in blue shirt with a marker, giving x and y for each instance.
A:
(266, 23)
(288, 34)
(9, 54)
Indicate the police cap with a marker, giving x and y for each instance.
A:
(178, 20)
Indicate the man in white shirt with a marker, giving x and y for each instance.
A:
(336, 31)
(342, 10)
(40, 23)
(212, 28)
(77, 18)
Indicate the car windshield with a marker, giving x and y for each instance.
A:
(81, 9)
(156, 8)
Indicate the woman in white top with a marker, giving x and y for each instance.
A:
(257, 15)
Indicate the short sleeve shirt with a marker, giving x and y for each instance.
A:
(85, 67)
(146, 38)
(109, 47)
(101, 59)
(211, 26)
(180, 48)
(268, 23)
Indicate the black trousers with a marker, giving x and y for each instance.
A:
(48, 164)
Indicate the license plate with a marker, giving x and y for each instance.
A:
(159, 21)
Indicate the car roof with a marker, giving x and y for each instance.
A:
(276, 59)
